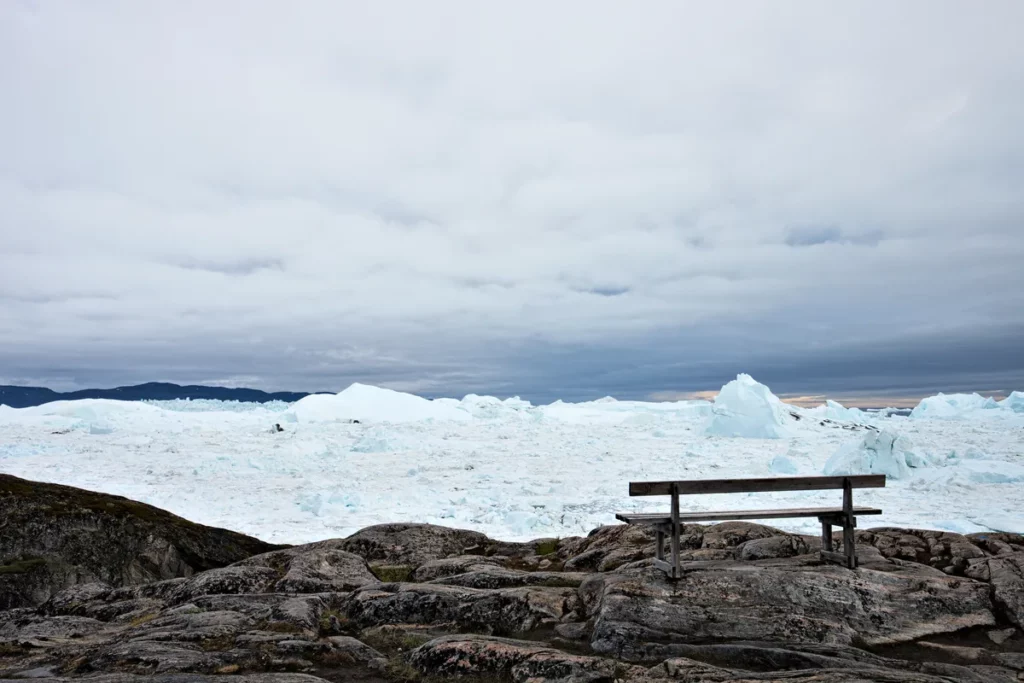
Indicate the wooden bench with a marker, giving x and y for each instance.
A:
(670, 523)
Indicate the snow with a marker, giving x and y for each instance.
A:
(511, 469)
(747, 408)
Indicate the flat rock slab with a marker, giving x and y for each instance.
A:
(796, 603)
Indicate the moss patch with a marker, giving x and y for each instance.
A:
(392, 640)
(392, 573)
(144, 619)
(281, 627)
(22, 566)
(547, 547)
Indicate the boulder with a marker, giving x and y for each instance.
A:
(944, 550)
(314, 568)
(410, 544)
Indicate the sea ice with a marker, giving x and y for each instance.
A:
(503, 467)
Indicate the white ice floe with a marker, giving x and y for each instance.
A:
(746, 408)
(505, 467)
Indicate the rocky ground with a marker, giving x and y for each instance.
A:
(406, 602)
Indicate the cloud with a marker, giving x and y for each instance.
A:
(573, 200)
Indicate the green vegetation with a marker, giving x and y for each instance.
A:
(392, 573)
(218, 643)
(281, 627)
(391, 640)
(333, 622)
(22, 566)
(144, 619)
(547, 546)
(10, 650)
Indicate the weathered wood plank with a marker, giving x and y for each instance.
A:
(728, 515)
(697, 486)
(674, 537)
(832, 556)
(666, 567)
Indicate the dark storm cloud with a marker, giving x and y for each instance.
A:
(564, 201)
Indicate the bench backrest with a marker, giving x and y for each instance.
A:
(695, 486)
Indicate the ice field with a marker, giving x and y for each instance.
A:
(513, 470)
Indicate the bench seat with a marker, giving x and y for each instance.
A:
(727, 515)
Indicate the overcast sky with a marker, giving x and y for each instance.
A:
(565, 199)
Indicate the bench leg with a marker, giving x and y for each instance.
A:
(659, 548)
(849, 522)
(676, 573)
(826, 535)
(849, 545)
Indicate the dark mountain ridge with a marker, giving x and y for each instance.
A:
(25, 397)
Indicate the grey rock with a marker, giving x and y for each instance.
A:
(346, 648)
(38, 672)
(519, 660)
(943, 550)
(734, 534)
(227, 580)
(794, 603)
(155, 657)
(772, 547)
(59, 536)
(509, 610)
(325, 570)
(1000, 636)
(452, 566)
(1006, 574)
(491, 577)
(411, 544)
(998, 542)
(16, 626)
(187, 678)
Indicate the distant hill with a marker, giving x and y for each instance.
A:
(24, 397)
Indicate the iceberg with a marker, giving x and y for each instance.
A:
(879, 452)
(1014, 402)
(746, 408)
(952, 406)
(780, 464)
(374, 404)
(833, 410)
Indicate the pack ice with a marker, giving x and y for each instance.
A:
(503, 466)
